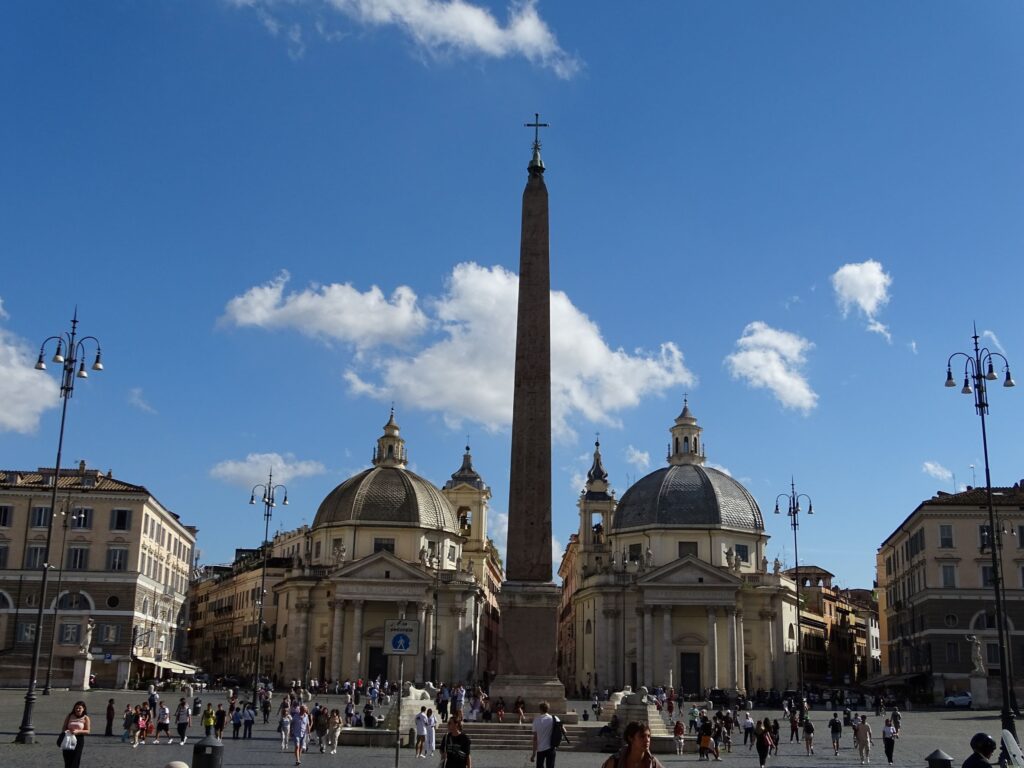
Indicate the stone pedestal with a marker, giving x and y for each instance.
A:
(528, 654)
(83, 668)
(979, 691)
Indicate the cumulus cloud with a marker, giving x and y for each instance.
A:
(720, 468)
(335, 311)
(639, 459)
(468, 373)
(255, 468)
(3, 312)
(25, 393)
(137, 400)
(866, 287)
(767, 358)
(936, 470)
(448, 27)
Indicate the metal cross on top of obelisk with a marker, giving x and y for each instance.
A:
(536, 125)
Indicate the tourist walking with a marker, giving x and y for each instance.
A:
(248, 718)
(835, 729)
(284, 727)
(809, 736)
(862, 735)
(183, 719)
(637, 752)
(77, 724)
(299, 732)
(431, 744)
(333, 730)
(140, 726)
(209, 720)
(420, 722)
(763, 741)
(543, 727)
(163, 723)
(455, 746)
(111, 714)
(679, 734)
(220, 719)
(889, 736)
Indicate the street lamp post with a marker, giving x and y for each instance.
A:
(65, 518)
(268, 492)
(75, 348)
(980, 366)
(793, 511)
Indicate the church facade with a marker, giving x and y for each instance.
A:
(670, 585)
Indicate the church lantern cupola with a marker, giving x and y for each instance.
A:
(390, 450)
(687, 446)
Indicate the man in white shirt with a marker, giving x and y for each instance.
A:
(421, 731)
(543, 726)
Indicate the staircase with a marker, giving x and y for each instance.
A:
(513, 736)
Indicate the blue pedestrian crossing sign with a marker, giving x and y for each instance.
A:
(401, 637)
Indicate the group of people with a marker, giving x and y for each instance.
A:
(302, 727)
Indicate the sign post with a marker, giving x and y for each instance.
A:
(401, 638)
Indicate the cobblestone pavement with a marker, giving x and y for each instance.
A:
(922, 733)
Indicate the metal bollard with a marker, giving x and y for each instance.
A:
(939, 759)
(208, 753)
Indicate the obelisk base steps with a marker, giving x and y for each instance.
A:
(528, 658)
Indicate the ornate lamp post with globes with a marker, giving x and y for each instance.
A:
(979, 365)
(793, 511)
(268, 492)
(66, 517)
(75, 349)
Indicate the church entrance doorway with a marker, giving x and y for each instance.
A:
(689, 677)
(377, 664)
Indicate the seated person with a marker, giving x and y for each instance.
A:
(611, 728)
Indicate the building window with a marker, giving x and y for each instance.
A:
(117, 559)
(120, 519)
(113, 601)
(35, 555)
(26, 631)
(70, 634)
(636, 553)
(992, 654)
(316, 551)
(71, 601)
(81, 519)
(946, 536)
(743, 552)
(687, 548)
(78, 559)
(451, 553)
(951, 620)
(986, 575)
(39, 517)
(384, 545)
(1020, 536)
(3, 556)
(110, 634)
(949, 576)
(985, 620)
(6, 515)
(953, 652)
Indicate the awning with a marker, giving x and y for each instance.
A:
(147, 660)
(179, 667)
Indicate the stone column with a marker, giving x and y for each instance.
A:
(422, 614)
(459, 652)
(337, 639)
(668, 652)
(299, 655)
(741, 650)
(608, 662)
(712, 648)
(730, 618)
(779, 629)
(429, 644)
(640, 648)
(649, 655)
(357, 640)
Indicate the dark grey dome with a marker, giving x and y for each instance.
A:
(390, 496)
(690, 495)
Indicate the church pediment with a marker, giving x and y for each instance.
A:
(690, 571)
(382, 566)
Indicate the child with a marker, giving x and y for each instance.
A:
(679, 732)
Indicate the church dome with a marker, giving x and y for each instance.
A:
(388, 495)
(687, 495)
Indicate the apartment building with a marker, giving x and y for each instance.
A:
(119, 565)
(935, 592)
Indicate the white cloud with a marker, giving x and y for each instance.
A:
(936, 470)
(497, 531)
(25, 393)
(771, 359)
(136, 399)
(865, 286)
(3, 312)
(335, 311)
(255, 468)
(994, 339)
(445, 27)
(720, 468)
(468, 374)
(639, 459)
(912, 346)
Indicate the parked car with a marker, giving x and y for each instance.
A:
(962, 699)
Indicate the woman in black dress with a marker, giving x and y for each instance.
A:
(77, 722)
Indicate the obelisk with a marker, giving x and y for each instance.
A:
(528, 648)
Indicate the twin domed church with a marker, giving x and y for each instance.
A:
(668, 585)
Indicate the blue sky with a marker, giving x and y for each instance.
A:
(279, 217)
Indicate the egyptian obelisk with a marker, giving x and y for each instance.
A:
(527, 663)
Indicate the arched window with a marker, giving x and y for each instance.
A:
(792, 632)
(71, 601)
(677, 445)
(5, 601)
(686, 445)
(588, 628)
